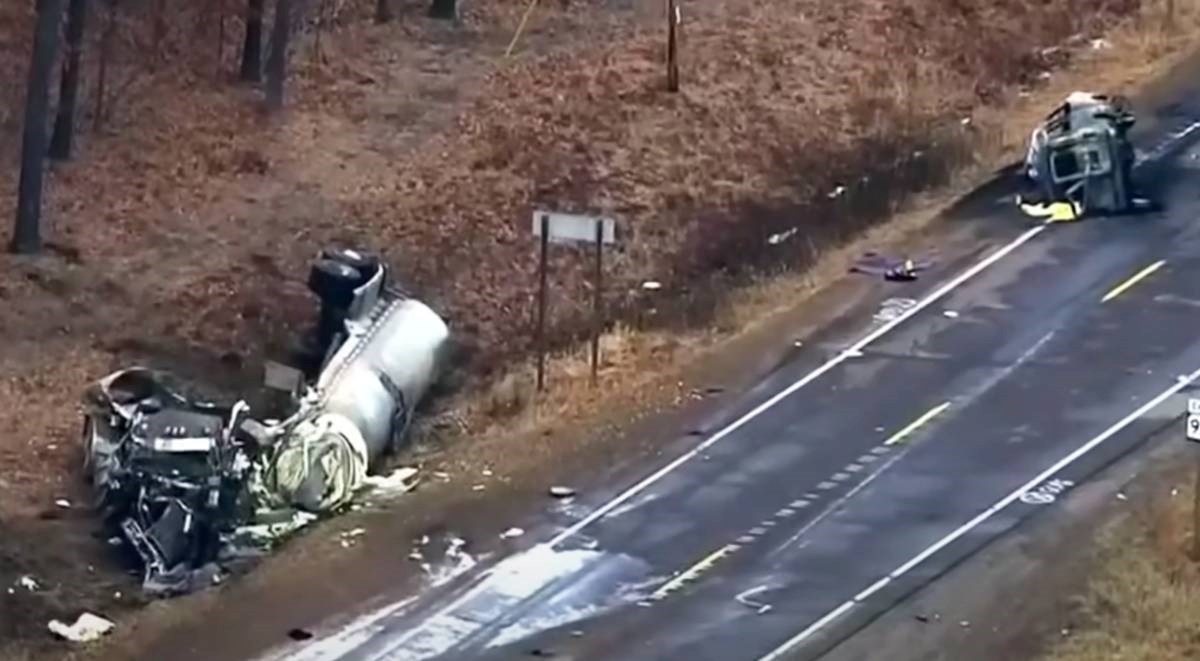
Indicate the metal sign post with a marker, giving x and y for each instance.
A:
(672, 46)
(597, 315)
(1192, 430)
(574, 230)
(541, 327)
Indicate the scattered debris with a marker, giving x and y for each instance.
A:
(478, 487)
(487, 472)
(780, 237)
(1101, 44)
(964, 624)
(1065, 632)
(63, 503)
(745, 600)
(1122, 496)
(950, 314)
(415, 555)
(442, 475)
(400, 481)
(577, 634)
(300, 634)
(28, 583)
(652, 285)
(193, 487)
(559, 491)
(512, 533)
(87, 627)
(890, 268)
(837, 192)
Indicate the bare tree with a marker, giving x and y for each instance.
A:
(383, 11)
(68, 95)
(106, 45)
(277, 63)
(252, 48)
(27, 231)
(444, 9)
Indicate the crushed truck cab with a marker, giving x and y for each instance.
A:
(1080, 159)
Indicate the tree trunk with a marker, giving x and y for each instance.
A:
(27, 231)
(252, 49)
(68, 95)
(444, 9)
(106, 41)
(277, 63)
(383, 11)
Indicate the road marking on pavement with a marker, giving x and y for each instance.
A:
(812, 629)
(691, 573)
(1137, 277)
(785, 513)
(913, 426)
(840, 477)
(853, 468)
(826, 485)
(856, 348)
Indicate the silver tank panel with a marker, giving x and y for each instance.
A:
(397, 348)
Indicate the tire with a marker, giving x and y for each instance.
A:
(334, 282)
(361, 262)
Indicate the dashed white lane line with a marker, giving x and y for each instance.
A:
(942, 543)
(854, 349)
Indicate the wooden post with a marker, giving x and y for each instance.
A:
(597, 316)
(541, 324)
(672, 47)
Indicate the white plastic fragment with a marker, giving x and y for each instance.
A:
(63, 503)
(87, 628)
(652, 285)
(950, 314)
(28, 583)
(560, 491)
(401, 480)
(512, 533)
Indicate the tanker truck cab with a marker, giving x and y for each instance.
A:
(1081, 156)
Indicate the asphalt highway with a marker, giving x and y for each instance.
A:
(877, 458)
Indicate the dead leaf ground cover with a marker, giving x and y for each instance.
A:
(180, 235)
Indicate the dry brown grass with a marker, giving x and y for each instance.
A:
(1141, 605)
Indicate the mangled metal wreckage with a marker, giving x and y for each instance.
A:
(198, 489)
(1080, 161)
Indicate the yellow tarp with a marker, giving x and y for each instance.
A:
(1055, 212)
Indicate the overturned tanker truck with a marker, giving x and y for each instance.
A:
(1080, 160)
(198, 490)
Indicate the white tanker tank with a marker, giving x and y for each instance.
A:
(382, 352)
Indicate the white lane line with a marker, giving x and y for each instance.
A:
(942, 543)
(857, 347)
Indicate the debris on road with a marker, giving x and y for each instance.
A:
(28, 583)
(652, 285)
(559, 491)
(950, 314)
(512, 533)
(744, 599)
(478, 487)
(197, 488)
(904, 269)
(63, 503)
(1122, 496)
(87, 627)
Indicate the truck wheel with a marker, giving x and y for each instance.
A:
(363, 263)
(334, 282)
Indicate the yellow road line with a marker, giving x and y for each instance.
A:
(1138, 277)
(692, 573)
(913, 426)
